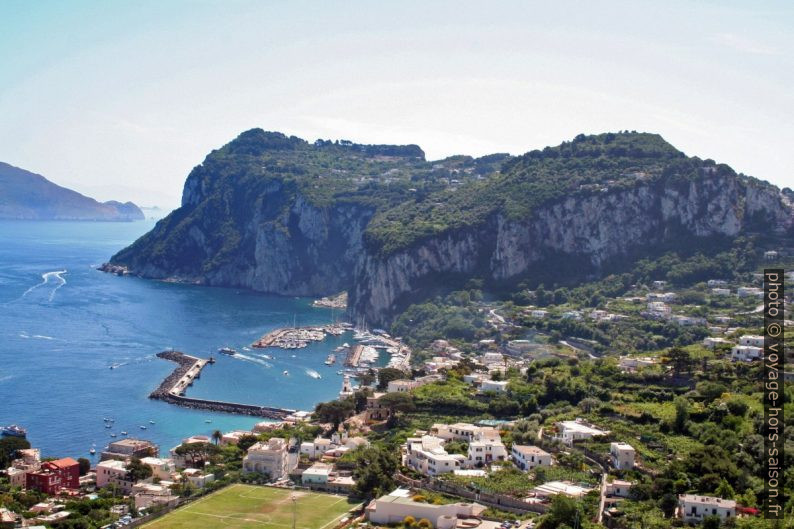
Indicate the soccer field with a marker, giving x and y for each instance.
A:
(252, 507)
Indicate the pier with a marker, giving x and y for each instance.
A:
(172, 389)
(355, 356)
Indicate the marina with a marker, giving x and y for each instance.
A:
(298, 337)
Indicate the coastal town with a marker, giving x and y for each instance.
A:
(491, 432)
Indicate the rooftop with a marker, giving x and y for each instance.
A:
(529, 450)
(707, 500)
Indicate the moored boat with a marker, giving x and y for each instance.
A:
(13, 430)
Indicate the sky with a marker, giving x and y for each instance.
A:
(120, 100)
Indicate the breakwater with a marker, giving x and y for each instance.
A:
(173, 387)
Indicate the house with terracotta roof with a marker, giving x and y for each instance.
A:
(53, 476)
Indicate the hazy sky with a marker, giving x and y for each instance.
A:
(121, 99)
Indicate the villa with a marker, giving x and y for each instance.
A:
(622, 455)
(570, 431)
(271, 458)
(693, 508)
(396, 506)
(527, 457)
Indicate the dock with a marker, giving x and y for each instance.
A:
(173, 387)
(355, 356)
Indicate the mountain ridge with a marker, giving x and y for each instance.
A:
(278, 214)
(29, 196)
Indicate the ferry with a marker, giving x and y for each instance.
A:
(13, 430)
(227, 351)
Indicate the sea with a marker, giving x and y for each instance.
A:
(64, 324)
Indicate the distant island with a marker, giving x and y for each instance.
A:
(29, 196)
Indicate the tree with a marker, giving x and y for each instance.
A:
(247, 441)
(138, 471)
(564, 511)
(197, 453)
(386, 375)
(85, 465)
(217, 436)
(724, 490)
(679, 360)
(9, 447)
(367, 378)
(360, 399)
(374, 471)
(397, 403)
(681, 414)
(334, 411)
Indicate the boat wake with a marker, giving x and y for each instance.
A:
(251, 359)
(314, 374)
(48, 278)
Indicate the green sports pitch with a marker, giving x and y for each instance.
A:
(252, 507)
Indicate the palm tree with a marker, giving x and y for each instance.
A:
(217, 436)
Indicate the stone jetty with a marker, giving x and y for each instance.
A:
(172, 389)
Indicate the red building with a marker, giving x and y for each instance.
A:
(54, 476)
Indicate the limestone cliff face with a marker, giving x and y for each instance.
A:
(286, 245)
(590, 230)
(279, 215)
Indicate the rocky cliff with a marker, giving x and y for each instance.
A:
(588, 232)
(280, 215)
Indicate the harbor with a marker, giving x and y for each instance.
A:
(298, 337)
(173, 388)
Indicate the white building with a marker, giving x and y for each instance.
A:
(538, 313)
(618, 488)
(717, 282)
(688, 321)
(746, 353)
(752, 340)
(693, 508)
(570, 431)
(528, 457)
(271, 458)
(770, 255)
(622, 455)
(498, 386)
(630, 364)
(748, 292)
(667, 297)
(405, 385)
(161, 468)
(712, 343)
(484, 450)
(572, 315)
(426, 455)
(317, 474)
(198, 478)
(659, 308)
(315, 449)
(113, 472)
(474, 378)
(396, 506)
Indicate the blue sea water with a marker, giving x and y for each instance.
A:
(63, 324)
